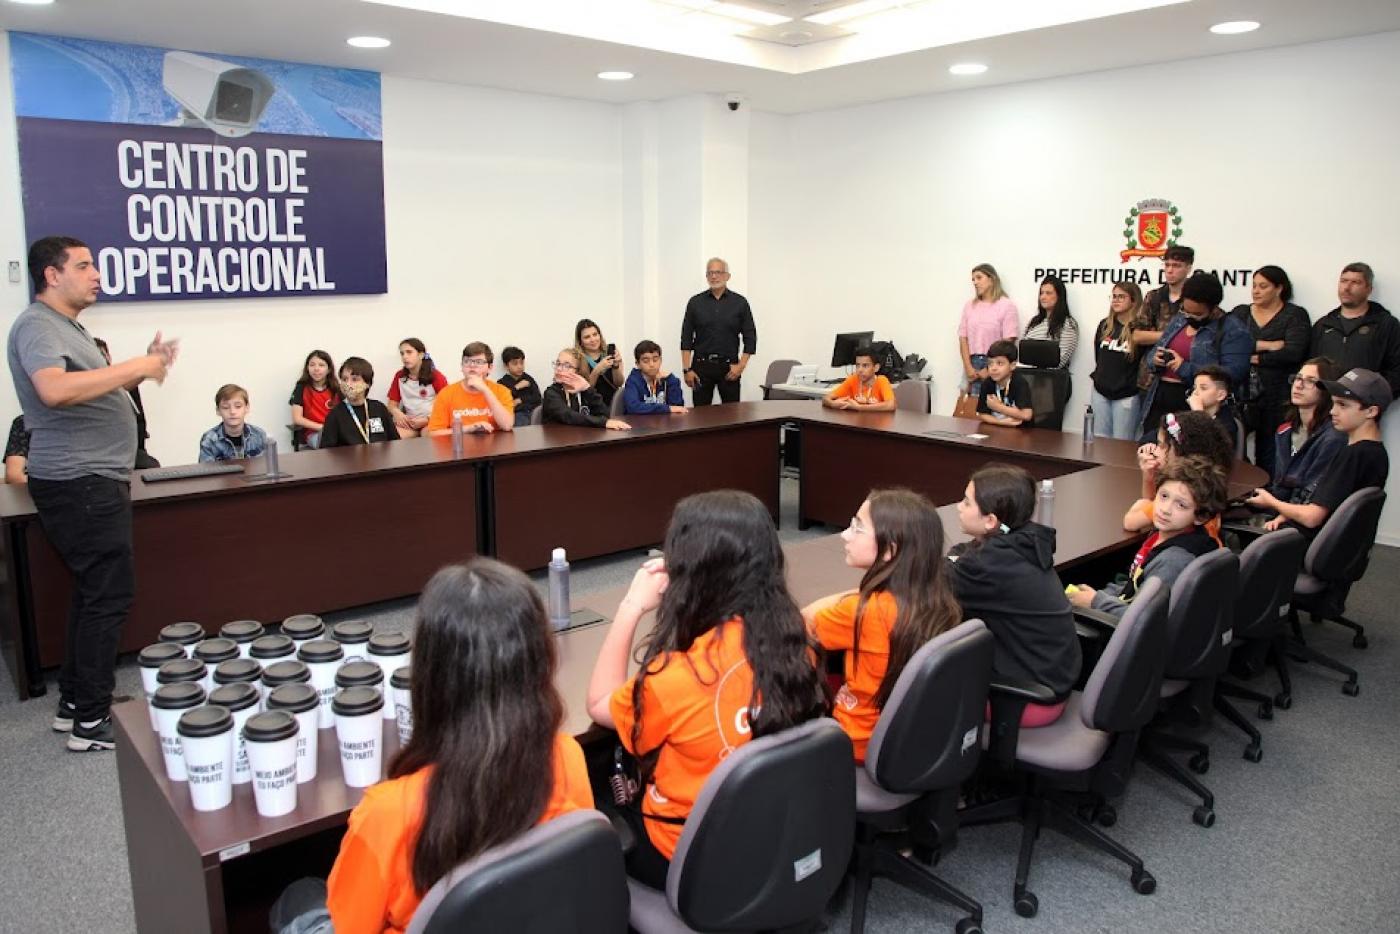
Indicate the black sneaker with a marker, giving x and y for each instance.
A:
(93, 738)
(63, 717)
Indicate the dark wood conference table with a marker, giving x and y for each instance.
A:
(336, 532)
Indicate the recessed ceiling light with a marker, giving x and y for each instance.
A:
(33, 2)
(1234, 28)
(967, 68)
(850, 12)
(615, 75)
(368, 42)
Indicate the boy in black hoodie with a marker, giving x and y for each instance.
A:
(1006, 578)
(1190, 490)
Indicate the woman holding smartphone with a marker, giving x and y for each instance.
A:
(602, 366)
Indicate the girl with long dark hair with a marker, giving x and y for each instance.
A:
(314, 395)
(1006, 578)
(728, 660)
(414, 389)
(904, 600)
(486, 761)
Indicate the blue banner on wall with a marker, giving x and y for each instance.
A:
(194, 176)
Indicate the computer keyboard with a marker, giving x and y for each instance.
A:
(189, 471)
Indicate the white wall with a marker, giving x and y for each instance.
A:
(1286, 156)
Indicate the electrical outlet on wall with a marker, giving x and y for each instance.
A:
(14, 271)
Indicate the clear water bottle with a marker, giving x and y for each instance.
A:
(558, 590)
(458, 438)
(270, 459)
(1088, 424)
(1045, 503)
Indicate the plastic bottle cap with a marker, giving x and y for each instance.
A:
(1047, 486)
(558, 556)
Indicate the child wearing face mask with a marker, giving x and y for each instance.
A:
(357, 419)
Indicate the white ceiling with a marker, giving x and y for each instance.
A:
(473, 52)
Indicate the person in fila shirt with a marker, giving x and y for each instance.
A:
(357, 419)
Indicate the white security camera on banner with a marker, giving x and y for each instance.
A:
(228, 99)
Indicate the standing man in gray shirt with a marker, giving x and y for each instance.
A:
(82, 446)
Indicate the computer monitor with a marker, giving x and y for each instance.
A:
(843, 353)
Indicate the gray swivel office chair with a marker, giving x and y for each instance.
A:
(1200, 624)
(1268, 568)
(925, 744)
(767, 842)
(778, 372)
(575, 858)
(913, 395)
(617, 408)
(1336, 559)
(1050, 390)
(1090, 745)
(537, 415)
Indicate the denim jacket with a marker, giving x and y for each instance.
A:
(1235, 347)
(213, 446)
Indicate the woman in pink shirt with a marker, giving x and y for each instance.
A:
(988, 317)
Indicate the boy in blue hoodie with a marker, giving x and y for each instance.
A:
(649, 391)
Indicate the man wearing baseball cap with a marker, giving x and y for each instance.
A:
(1358, 400)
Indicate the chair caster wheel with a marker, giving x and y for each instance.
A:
(1253, 753)
(1359, 642)
(1199, 763)
(1027, 904)
(1106, 816)
(1283, 700)
(1266, 711)
(968, 926)
(1144, 883)
(1351, 689)
(1204, 816)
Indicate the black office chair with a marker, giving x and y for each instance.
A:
(778, 372)
(1050, 390)
(913, 395)
(1268, 568)
(574, 858)
(767, 842)
(1091, 745)
(1200, 624)
(924, 746)
(1336, 559)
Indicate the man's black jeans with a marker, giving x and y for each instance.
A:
(88, 521)
(710, 375)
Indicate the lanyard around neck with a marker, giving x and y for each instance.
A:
(363, 429)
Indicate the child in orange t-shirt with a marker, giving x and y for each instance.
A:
(864, 390)
(483, 668)
(696, 696)
(904, 601)
(485, 405)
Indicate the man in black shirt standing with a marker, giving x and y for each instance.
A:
(714, 322)
(1358, 400)
(1359, 332)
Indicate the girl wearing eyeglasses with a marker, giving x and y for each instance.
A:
(570, 400)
